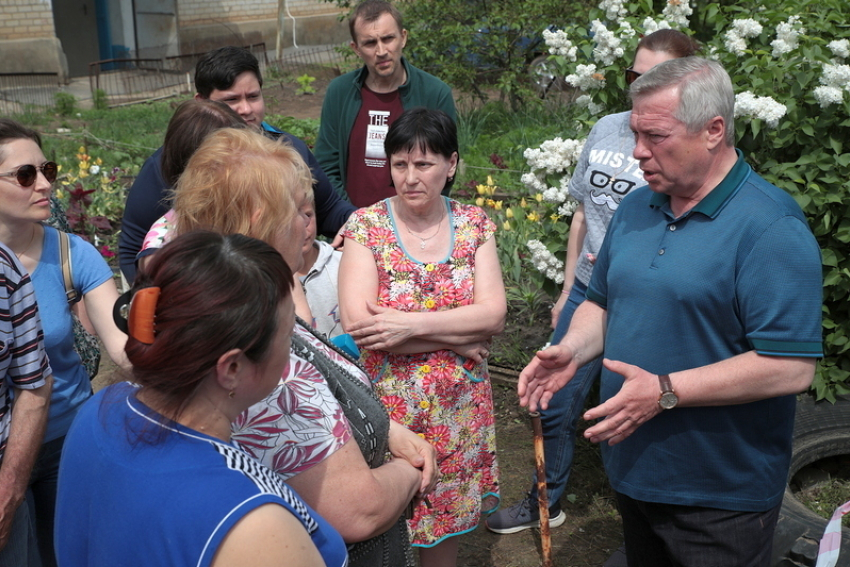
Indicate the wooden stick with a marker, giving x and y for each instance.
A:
(542, 495)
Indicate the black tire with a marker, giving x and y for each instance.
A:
(821, 430)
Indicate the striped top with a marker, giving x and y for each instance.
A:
(23, 362)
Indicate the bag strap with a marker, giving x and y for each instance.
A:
(67, 272)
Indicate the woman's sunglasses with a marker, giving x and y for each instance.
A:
(631, 76)
(26, 174)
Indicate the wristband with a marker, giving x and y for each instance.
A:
(565, 292)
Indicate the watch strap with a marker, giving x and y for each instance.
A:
(665, 383)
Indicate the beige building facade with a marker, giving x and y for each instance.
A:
(64, 36)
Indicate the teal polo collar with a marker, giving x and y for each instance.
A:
(712, 203)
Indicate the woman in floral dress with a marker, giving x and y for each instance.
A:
(421, 293)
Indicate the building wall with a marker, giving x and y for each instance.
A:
(28, 40)
(26, 19)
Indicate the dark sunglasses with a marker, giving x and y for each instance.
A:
(26, 174)
(631, 76)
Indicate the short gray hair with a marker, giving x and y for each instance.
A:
(705, 91)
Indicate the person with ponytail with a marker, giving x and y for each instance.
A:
(149, 475)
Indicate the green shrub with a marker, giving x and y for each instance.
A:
(66, 104)
(787, 60)
(100, 100)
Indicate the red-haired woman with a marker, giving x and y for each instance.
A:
(149, 475)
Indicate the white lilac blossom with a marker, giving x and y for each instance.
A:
(787, 36)
(534, 181)
(568, 208)
(545, 262)
(748, 105)
(558, 194)
(834, 81)
(734, 43)
(559, 44)
(554, 156)
(586, 78)
(585, 101)
(735, 37)
(608, 46)
(747, 27)
(626, 30)
(651, 26)
(827, 95)
(614, 9)
(837, 76)
(840, 48)
(677, 12)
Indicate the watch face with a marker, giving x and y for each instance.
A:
(668, 400)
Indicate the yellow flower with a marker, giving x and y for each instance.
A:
(481, 189)
(83, 173)
(497, 205)
(60, 194)
(506, 225)
(430, 303)
(424, 404)
(425, 369)
(523, 203)
(98, 161)
(533, 216)
(82, 150)
(491, 203)
(554, 217)
(490, 181)
(59, 167)
(479, 201)
(429, 267)
(539, 197)
(509, 213)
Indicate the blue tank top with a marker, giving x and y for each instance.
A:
(136, 492)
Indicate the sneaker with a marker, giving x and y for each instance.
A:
(523, 515)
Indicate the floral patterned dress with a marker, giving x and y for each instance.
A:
(436, 394)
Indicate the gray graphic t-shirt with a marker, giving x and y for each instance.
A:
(605, 173)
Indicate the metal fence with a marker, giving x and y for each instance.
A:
(301, 60)
(18, 90)
(132, 80)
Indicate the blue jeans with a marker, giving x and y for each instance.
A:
(41, 498)
(19, 547)
(668, 535)
(565, 408)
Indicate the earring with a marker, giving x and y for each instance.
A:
(231, 394)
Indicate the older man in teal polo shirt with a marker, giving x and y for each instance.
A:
(706, 303)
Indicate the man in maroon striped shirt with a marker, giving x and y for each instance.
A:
(25, 384)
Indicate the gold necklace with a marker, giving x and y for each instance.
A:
(29, 244)
(424, 241)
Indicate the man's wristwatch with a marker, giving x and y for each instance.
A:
(668, 398)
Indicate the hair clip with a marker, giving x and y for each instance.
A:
(142, 314)
(134, 313)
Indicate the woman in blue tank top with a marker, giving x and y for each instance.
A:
(149, 476)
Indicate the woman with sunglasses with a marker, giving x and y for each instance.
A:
(605, 173)
(26, 179)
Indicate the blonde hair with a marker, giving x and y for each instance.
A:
(240, 182)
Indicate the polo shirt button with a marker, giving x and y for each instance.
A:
(661, 252)
(672, 228)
